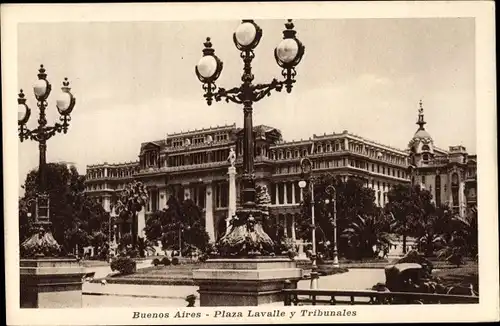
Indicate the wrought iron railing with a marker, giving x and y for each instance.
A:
(350, 297)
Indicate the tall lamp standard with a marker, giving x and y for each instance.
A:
(42, 242)
(246, 236)
(332, 193)
(306, 167)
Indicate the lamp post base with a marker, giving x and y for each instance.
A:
(336, 259)
(314, 278)
(51, 283)
(245, 281)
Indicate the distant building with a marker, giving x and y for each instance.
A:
(194, 165)
(450, 176)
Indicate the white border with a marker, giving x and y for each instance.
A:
(487, 310)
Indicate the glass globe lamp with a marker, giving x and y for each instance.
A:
(40, 89)
(287, 50)
(207, 66)
(247, 36)
(245, 33)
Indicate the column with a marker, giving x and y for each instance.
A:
(105, 172)
(301, 195)
(232, 195)
(141, 223)
(187, 191)
(286, 223)
(209, 214)
(285, 200)
(294, 239)
(461, 198)
(106, 204)
(293, 192)
(120, 231)
(163, 198)
(450, 193)
(346, 144)
(276, 193)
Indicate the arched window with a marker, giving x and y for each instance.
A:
(425, 157)
(426, 148)
(438, 189)
(454, 188)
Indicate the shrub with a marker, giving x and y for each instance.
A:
(133, 253)
(203, 258)
(124, 265)
(156, 262)
(165, 261)
(175, 261)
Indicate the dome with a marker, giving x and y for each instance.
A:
(421, 134)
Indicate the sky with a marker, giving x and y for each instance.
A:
(135, 82)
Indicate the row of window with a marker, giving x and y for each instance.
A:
(199, 158)
(102, 186)
(112, 173)
(199, 140)
(334, 163)
(338, 146)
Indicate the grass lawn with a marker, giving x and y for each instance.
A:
(464, 275)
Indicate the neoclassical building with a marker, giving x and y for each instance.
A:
(450, 175)
(194, 165)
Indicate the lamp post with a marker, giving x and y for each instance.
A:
(332, 193)
(42, 243)
(247, 236)
(306, 167)
(111, 234)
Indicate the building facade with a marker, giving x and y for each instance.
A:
(450, 175)
(194, 165)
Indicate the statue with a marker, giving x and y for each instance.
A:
(232, 156)
(263, 199)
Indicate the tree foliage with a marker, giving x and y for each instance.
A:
(75, 216)
(130, 201)
(409, 207)
(436, 229)
(367, 234)
(181, 222)
(352, 200)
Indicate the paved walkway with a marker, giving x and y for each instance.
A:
(103, 271)
(355, 279)
(132, 290)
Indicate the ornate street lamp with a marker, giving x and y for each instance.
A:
(247, 236)
(42, 243)
(332, 194)
(306, 167)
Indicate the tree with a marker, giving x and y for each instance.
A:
(432, 229)
(462, 239)
(179, 222)
(352, 200)
(366, 232)
(73, 214)
(130, 202)
(408, 206)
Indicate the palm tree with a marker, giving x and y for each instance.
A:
(130, 202)
(463, 238)
(367, 232)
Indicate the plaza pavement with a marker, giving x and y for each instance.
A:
(103, 271)
(125, 295)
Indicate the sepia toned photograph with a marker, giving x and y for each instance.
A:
(165, 166)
